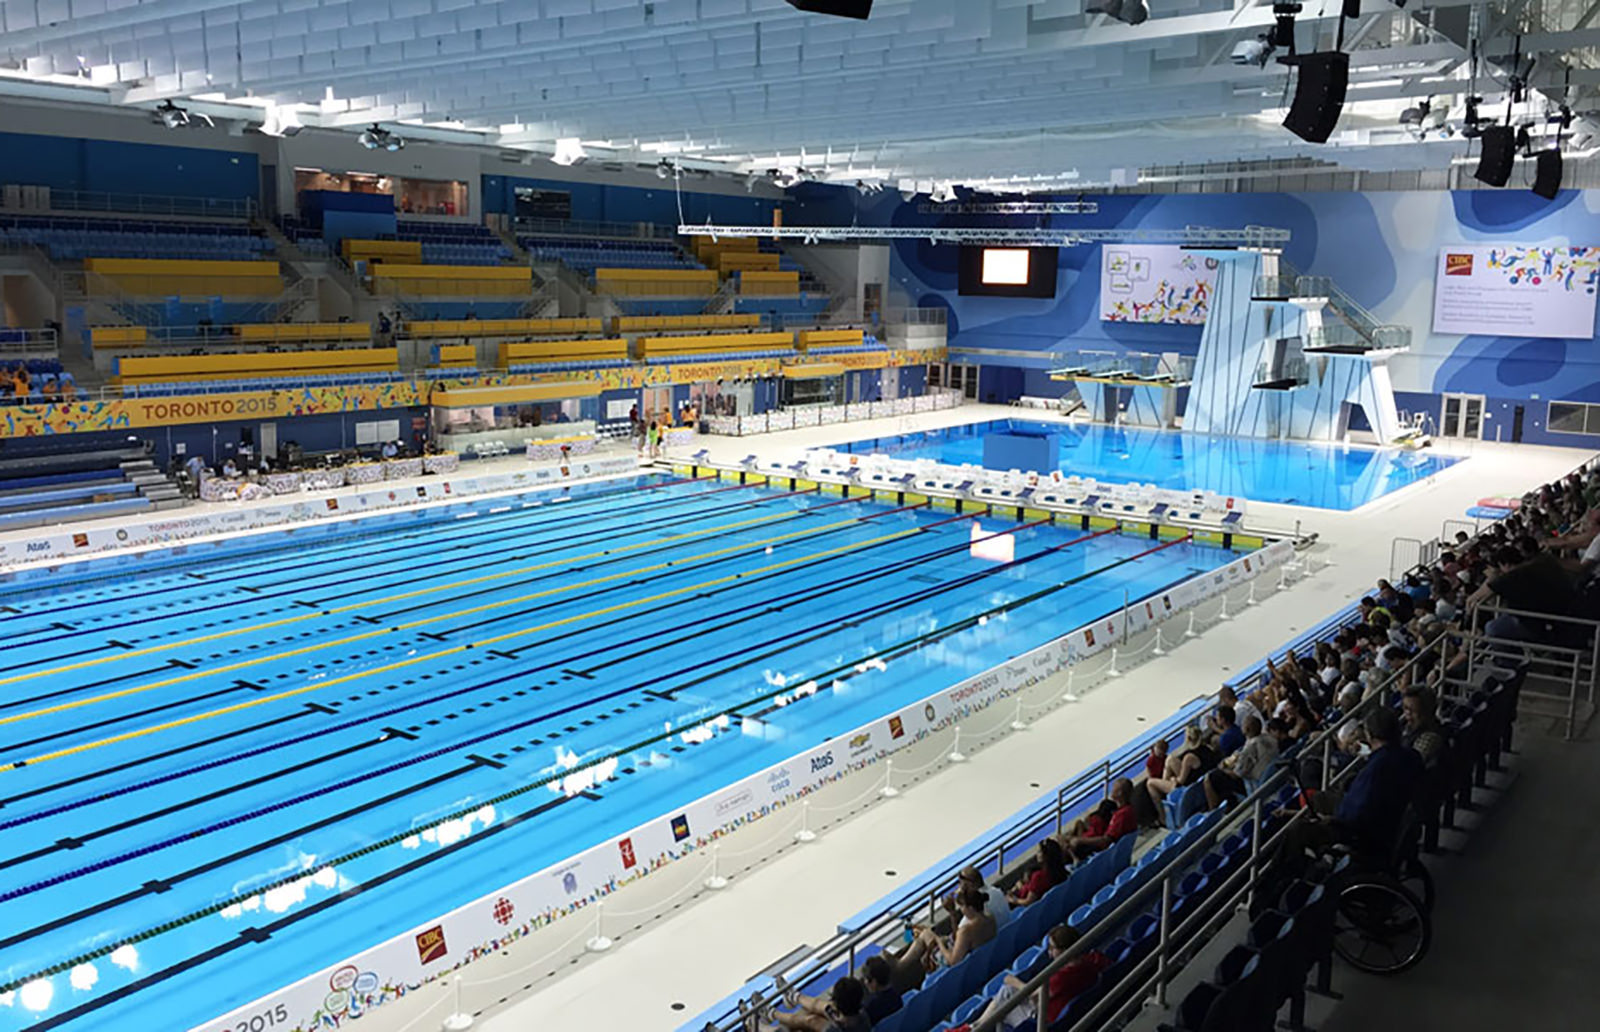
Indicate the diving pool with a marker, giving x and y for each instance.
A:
(1321, 476)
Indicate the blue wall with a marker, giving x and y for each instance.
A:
(68, 163)
(314, 433)
(1381, 248)
(597, 203)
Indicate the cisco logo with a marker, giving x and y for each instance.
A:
(778, 780)
(822, 762)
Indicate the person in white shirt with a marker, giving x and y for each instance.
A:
(998, 907)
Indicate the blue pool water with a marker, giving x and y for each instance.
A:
(1323, 476)
(175, 740)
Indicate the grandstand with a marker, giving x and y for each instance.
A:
(972, 516)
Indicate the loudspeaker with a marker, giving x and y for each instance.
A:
(1318, 95)
(1499, 150)
(840, 8)
(1547, 173)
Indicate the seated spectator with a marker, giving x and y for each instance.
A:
(1155, 764)
(997, 906)
(843, 1011)
(1250, 763)
(816, 1012)
(1122, 822)
(1185, 767)
(1229, 737)
(1367, 816)
(1050, 872)
(1243, 709)
(928, 950)
(1419, 715)
(1066, 982)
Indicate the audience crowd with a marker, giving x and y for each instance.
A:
(1540, 562)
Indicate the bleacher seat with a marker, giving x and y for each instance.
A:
(68, 238)
(586, 255)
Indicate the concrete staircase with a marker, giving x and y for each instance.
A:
(152, 484)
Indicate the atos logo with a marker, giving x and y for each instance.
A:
(822, 762)
(38, 546)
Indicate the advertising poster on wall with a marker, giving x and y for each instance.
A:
(1155, 283)
(1516, 290)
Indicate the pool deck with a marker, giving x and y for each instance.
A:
(783, 895)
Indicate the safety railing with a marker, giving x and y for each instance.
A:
(591, 228)
(1177, 939)
(801, 417)
(42, 200)
(1563, 653)
(936, 316)
(19, 343)
(1139, 365)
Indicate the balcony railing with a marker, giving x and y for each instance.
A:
(16, 197)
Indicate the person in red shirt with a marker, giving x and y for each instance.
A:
(1122, 822)
(1052, 871)
(1155, 765)
(1066, 983)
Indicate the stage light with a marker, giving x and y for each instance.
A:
(1256, 51)
(944, 193)
(174, 117)
(1414, 116)
(569, 152)
(839, 8)
(375, 137)
(665, 169)
(867, 189)
(751, 180)
(1130, 12)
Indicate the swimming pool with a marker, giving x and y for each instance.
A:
(1323, 476)
(226, 773)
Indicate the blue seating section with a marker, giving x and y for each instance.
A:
(786, 307)
(658, 306)
(726, 356)
(61, 514)
(479, 308)
(868, 343)
(73, 239)
(585, 256)
(452, 243)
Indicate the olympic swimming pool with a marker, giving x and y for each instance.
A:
(233, 769)
(1322, 476)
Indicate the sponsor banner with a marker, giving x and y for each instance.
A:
(157, 532)
(491, 923)
(71, 417)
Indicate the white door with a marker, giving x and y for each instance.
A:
(269, 440)
(1461, 415)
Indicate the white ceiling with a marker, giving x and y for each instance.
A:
(974, 91)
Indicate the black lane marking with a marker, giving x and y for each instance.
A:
(56, 658)
(395, 732)
(138, 762)
(185, 664)
(424, 537)
(135, 821)
(71, 731)
(484, 761)
(251, 685)
(658, 548)
(579, 673)
(31, 699)
(671, 570)
(252, 935)
(118, 644)
(211, 865)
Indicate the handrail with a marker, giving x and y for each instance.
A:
(109, 202)
(1036, 988)
(590, 228)
(1173, 870)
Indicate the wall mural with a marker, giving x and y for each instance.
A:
(1381, 248)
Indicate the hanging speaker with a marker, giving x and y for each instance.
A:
(1547, 173)
(1498, 145)
(840, 8)
(1318, 95)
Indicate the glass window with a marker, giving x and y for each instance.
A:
(1593, 420)
(1567, 418)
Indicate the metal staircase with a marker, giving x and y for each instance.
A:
(1361, 331)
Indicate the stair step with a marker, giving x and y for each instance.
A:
(173, 503)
